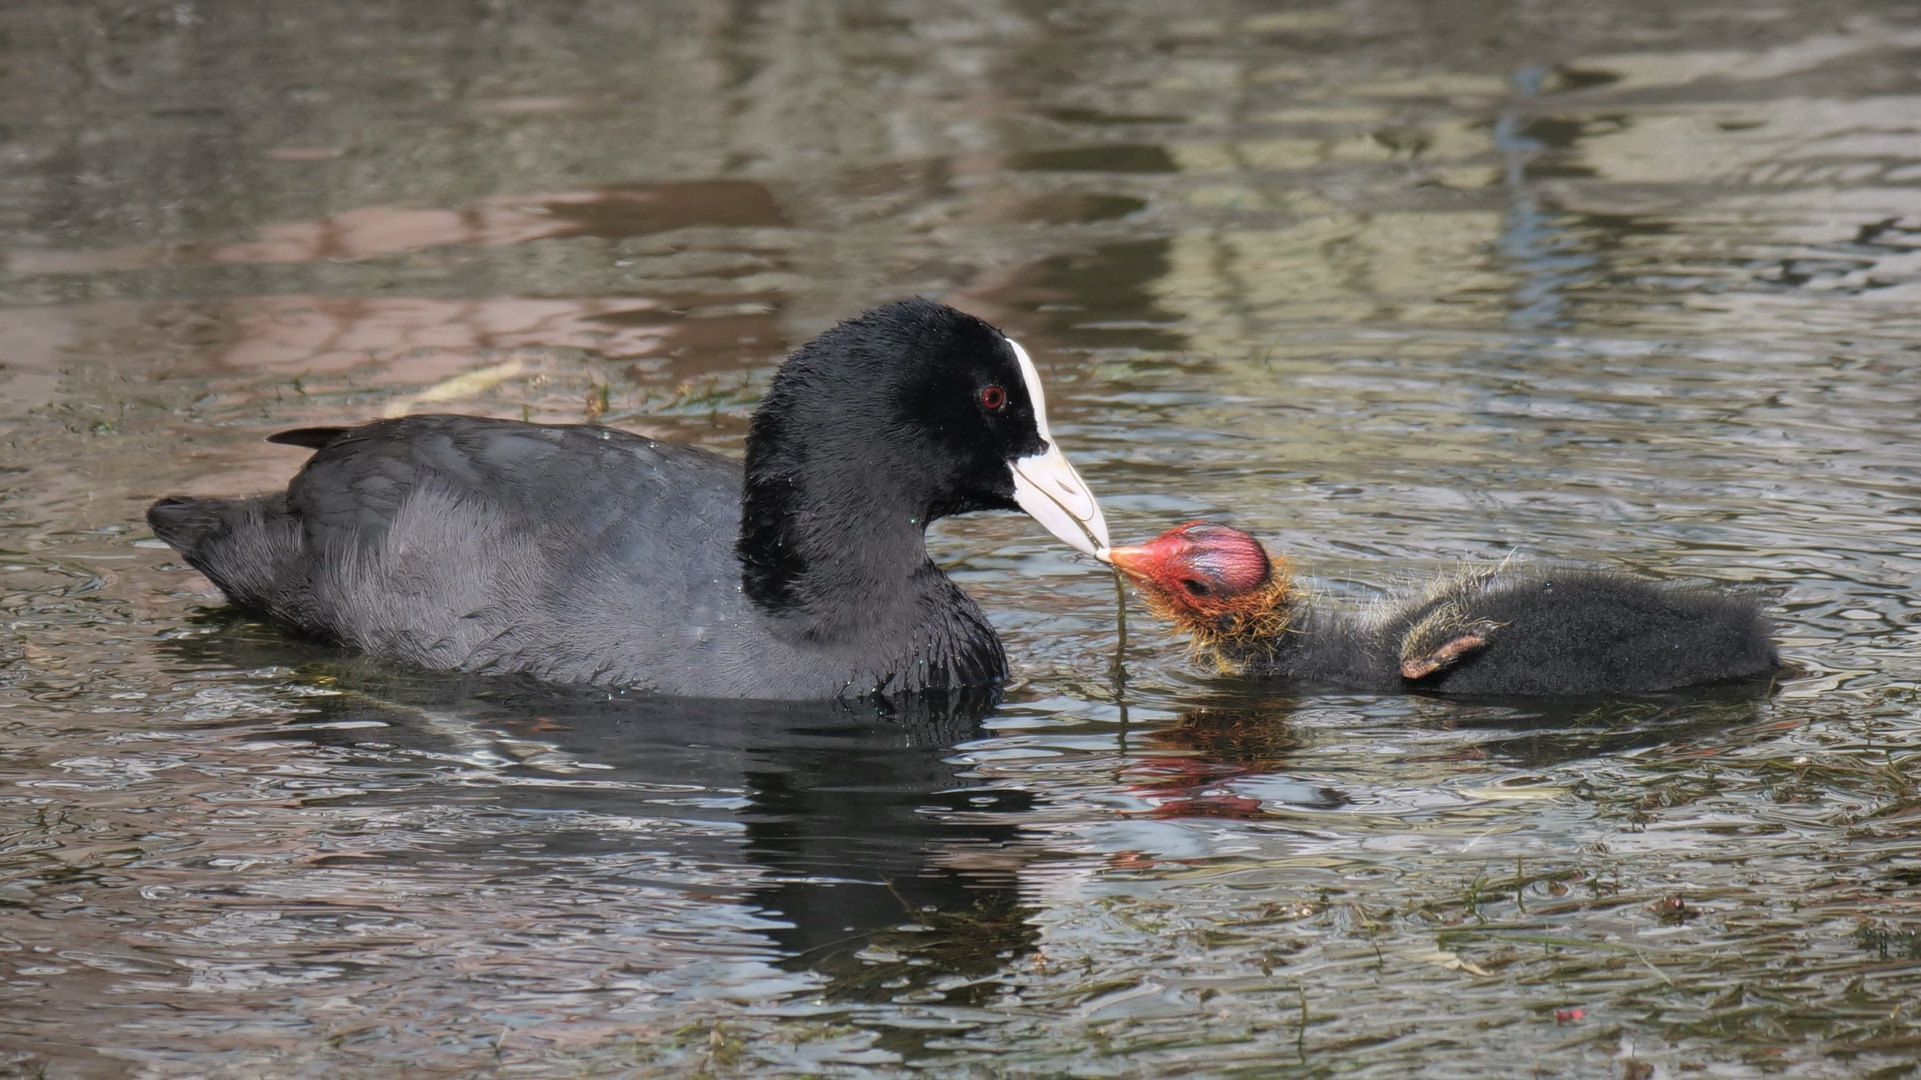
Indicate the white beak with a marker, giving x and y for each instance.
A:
(1052, 493)
(1048, 488)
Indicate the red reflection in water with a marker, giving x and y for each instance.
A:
(1191, 787)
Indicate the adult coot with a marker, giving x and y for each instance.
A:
(584, 554)
(1501, 630)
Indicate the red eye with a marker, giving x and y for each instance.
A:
(992, 398)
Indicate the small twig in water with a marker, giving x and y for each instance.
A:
(1300, 1033)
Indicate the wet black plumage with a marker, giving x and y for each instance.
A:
(586, 554)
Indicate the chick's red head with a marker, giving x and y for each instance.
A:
(1199, 571)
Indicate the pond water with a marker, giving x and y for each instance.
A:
(1394, 285)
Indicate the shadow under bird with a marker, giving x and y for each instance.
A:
(1494, 631)
(583, 554)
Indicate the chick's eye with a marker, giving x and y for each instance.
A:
(1194, 587)
(993, 398)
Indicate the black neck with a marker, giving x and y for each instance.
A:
(860, 584)
(813, 558)
(1267, 644)
(1325, 645)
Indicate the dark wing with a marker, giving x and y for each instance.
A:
(598, 483)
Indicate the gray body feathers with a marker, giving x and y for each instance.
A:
(571, 553)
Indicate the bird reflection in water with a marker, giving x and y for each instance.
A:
(1191, 768)
(871, 860)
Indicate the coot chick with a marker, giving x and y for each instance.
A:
(582, 554)
(1501, 630)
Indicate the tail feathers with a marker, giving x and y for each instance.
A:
(313, 438)
(251, 548)
(184, 523)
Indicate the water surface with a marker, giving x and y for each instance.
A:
(1394, 285)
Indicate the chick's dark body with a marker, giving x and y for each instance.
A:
(1564, 633)
(1496, 631)
(1581, 632)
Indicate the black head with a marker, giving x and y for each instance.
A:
(909, 413)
